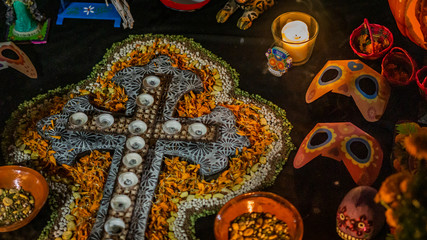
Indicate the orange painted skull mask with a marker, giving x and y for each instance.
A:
(361, 153)
(352, 78)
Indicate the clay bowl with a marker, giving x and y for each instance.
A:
(29, 180)
(258, 202)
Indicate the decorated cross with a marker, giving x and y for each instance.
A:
(140, 138)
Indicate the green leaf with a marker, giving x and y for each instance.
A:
(407, 128)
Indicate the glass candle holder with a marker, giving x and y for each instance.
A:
(297, 24)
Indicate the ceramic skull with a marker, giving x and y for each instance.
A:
(279, 61)
(358, 216)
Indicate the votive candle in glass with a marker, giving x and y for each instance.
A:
(296, 32)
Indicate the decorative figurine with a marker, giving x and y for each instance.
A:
(279, 61)
(123, 9)
(358, 216)
(252, 8)
(340, 141)
(22, 63)
(26, 23)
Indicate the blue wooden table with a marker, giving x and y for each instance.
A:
(87, 10)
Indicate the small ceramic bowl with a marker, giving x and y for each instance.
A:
(264, 202)
(197, 130)
(120, 203)
(137, 127)
(78, 119)
(105, 120)
(379, 35)
(128, 179)
(135, 143)
(151, 82)
(132, 160)
(144, 100)
(172, 127)
(398, 67)
(114, 226)
(30, 181)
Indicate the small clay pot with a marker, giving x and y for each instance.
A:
(378, 35)
(398, 67)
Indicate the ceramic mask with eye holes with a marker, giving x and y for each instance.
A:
(279, 61)
(358, 216)
(349, 77)
(361, 153)
(22, 63)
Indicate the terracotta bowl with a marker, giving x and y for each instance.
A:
(29, 180)
(258, 202)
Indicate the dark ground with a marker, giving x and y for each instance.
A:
(316, 189)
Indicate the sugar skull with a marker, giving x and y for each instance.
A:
(21, 63)
(358, 216)
(279, 61)
(369, 90)
(361, 153)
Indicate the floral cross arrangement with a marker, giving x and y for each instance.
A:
(56, 134)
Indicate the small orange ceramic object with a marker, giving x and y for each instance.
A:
(264, 202)
(29, 180)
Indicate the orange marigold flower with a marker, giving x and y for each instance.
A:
(416, 144)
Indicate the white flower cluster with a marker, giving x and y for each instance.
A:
(17, 156)
(64, 211)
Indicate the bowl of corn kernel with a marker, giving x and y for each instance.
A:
(23, 192)
(258, 215)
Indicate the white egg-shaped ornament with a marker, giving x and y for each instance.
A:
(151, 81)
(78, 119)
(114, 226)
(171, 127)
(197, 130)
(120, 203)
(144, 100)
(137, 127)
(128, 179)
(104, 120)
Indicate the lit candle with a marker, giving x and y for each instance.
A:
(295, 34)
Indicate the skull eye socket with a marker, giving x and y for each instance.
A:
(342, 217)
(272, 62)
(280, 65)
(368, 86)
(330, 75)
(10, 54)
(361, 225)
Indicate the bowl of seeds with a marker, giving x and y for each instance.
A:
(258, 215)
(23, 192)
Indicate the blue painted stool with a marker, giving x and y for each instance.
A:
(84, 10)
